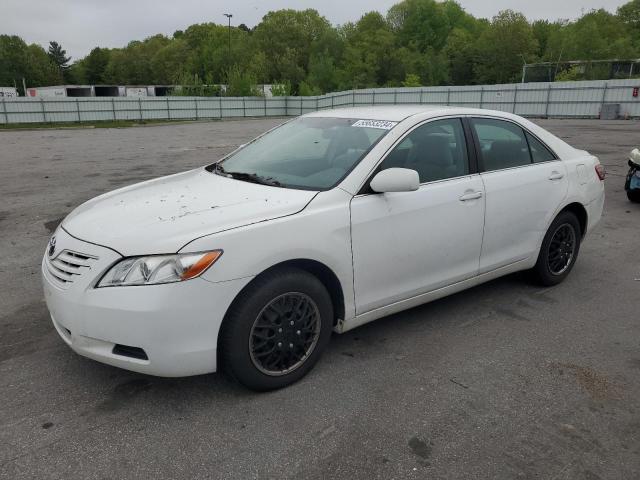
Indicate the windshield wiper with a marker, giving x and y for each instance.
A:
(246, 177)
(253, 178)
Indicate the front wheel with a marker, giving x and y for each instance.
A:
(559, 250)
(276, 329)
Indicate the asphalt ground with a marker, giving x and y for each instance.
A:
(504, 381)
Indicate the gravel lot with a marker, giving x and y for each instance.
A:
(503, 381)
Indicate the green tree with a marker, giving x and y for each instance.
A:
(241, 84)
(94, 66)
(59, 56)
(502, 46)
(460, 52)
(596, 35)
(629, 15)
(412, 80)
(287, 38)
(19, 60)
(423, 23)
(370, 57)
(281, 89)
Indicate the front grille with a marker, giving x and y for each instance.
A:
(68, 266)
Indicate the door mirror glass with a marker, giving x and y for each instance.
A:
(635, 156)
(396, 180)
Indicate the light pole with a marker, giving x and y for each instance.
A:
(229, 15)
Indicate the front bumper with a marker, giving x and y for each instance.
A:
(175, 324)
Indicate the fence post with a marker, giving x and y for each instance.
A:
(421, 96)
(546, 108)
(140, 108)
(244, 107)
(448, 96)
(265, 104)
(220, 106)
(515, 98)
(195, 101)
(78, 109)
(168, 109)
(4, 110)
(113, 108)
(353, 98)
(300, 105)
(604, 96)
(332, 100)
(481, 96)
(44, 113)
(317, 103)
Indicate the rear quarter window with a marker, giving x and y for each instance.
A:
(539, 152)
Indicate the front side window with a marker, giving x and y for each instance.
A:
(312, 153)
(502, 144)
(437, 150)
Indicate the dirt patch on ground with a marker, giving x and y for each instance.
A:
(598, 386)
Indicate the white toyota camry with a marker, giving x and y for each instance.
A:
(325, 223)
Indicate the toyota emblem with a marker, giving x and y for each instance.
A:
(52, 246)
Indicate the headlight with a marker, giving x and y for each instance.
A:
(158, 269)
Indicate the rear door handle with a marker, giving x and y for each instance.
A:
(471, 196)
(556, 176)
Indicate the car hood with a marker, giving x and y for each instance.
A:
(163, 215)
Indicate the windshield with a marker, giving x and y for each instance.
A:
(306, 153)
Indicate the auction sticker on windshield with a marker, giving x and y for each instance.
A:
(381, 124)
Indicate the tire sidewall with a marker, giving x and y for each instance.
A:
(633, 196)
(243, 313)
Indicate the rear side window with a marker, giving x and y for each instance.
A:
(502, 144)
(539, 153)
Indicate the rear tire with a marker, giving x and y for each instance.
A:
(633, 196)
(276, 330)
(559, 250)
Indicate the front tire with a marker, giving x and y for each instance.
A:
(633, 196)
(559, 250)
(276, 330)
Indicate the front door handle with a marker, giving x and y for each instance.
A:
(556, 175)
(471, 196)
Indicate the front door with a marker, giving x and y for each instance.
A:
(409, 243)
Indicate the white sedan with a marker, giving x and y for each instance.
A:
(327, 222)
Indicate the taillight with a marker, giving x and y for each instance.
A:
(600, 171)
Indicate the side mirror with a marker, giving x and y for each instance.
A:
(396, 180)
(634, 157)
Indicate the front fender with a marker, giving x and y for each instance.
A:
(321, 232)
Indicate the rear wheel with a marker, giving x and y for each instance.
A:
(276, 329)
(633, 196)
(559, 250)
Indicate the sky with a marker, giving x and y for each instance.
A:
(80, 25)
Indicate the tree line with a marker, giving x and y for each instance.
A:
(418, 42)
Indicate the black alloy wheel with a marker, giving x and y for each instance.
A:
(284, 334)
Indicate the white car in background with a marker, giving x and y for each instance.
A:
(327, 222)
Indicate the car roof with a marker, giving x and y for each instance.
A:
(397, 113)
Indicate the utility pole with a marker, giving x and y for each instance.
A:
(228, 15)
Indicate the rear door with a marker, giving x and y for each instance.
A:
(524, 182)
